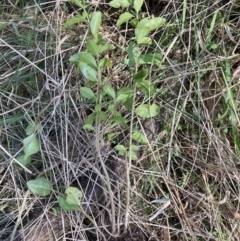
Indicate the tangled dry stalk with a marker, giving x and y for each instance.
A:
(184, 184)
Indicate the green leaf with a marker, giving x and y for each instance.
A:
(135, 148)
(124, 17)
(133, 155)
(77, 3)
(141, 74)
(137, 4)
(145, 26)
(120, 3)
(76, 19)
(121, 149)
(30, 145)
(151, 24)
(88, 72)
(141, 33)
(98, 107)
(95, 23)
(87, 93)
(90, 119)
(23, 160)
(134, 22)
(73, 196)
(119, 120)
(111, 107)
(40, 186)
(111, 137)
(139, 137)
(105, 47)
(147, 111)
(65, 205)
(92, 47)
(88, 127)
(124, 93)
(128, 103)
(104, 62)
(117, 113)
(102, 116)
(109, 91)
(146, 87)
(31, 127)
(150, 59)
(84, 57)
(144, 41)
(133, 54)
(90, 84)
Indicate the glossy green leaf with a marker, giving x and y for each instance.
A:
(73, 195)
(92, 47)
(123, 18)
(65, 205)
(147, 111)
(84, 57)
(23, 160)
(137, 4)
(40, 186)
(139, 137)
(120, 3)
(30, 145)
(109, 91)
(88, 72)
(76, 19)
(87, 93)
(95, 23)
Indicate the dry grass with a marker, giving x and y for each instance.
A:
(185, 182)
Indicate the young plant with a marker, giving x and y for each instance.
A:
(143, 26)
(31, 144)
(98, 91)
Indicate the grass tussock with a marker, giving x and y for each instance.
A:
(181, 182)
